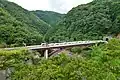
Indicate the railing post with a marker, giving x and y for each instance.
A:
(46, 54)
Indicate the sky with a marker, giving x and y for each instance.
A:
(61, 6)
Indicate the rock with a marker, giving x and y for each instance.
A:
(2, 74)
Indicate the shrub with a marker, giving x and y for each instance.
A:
(76, 50)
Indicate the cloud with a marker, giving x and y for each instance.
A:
(62, 6)
(59, 6)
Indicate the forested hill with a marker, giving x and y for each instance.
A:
(24, 16)
(18, 26)
(89, 21)
(14, 32)
(49, 17)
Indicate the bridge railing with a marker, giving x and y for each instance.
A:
(60, 44)
(75, 43)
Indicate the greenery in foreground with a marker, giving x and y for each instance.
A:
(100, 63)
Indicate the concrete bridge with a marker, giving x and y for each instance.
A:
(58, 46)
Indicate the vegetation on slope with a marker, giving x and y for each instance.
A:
(24, 16)
(49, 17)
(88, 21)
(18, 26)
(101, 63)
(14, 32)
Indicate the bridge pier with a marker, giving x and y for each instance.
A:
(46, 54)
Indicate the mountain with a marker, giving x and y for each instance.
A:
(24, 16)
(18, 26)
(90, 21)
(49, 17)
(15, 32)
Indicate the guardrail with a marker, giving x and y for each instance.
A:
(58, 44)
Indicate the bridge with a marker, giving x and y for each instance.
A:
(63, 45)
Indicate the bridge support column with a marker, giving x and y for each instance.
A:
(46, 54)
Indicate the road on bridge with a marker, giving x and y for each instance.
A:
(58, 45)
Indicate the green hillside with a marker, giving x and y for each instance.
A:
(49, 17)
(15, 32)
(18, 26)
(24, 16)
(88, 21)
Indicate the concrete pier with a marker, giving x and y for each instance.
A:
(46, 54)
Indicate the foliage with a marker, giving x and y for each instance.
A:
(12, 58)
(18, 26)
(24, 16)
(13, 31)
(102, 63)
(90, 21)
(76, 50)
(49, 17)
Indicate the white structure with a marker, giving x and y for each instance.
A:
(58, 45)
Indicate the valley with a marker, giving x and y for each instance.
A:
(82, 44)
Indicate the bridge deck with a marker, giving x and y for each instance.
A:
(58, 45)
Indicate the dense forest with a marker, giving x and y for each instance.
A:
(90, 21)
(14, 32)
(18, 26)
(24, 16)
(49, 17)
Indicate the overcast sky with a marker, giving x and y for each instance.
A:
(61, 6)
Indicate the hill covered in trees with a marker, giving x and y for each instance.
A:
(88, 21)
(49, 17)
(24, 16)
(20, 26)
(15, 32)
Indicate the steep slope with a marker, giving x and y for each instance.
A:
(24, 16)
(18, 26)
(48, 16)
(14, 32)
(89, 21)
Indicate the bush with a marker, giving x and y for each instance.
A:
(103, 63)
(10, 58)
(3, 45)
(76, 50)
